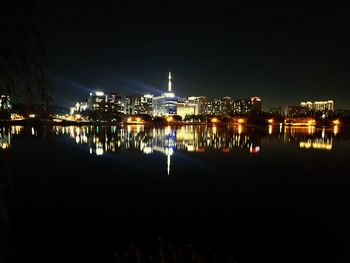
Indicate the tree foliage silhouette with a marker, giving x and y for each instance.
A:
(22, 54)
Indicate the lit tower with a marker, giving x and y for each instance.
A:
(169, 83)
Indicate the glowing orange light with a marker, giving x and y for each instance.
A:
(240, 120)
(270, 121)
(138, 119)
(336, 122)
(129, 119)
(169, 119)
(311, 122)
(214, 120)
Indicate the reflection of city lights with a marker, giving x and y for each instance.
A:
(311, 129)
(254, 149)
(240, 129)
(4, 145)
(99, 151)
(335, 130)
(318, 143)
(270, 129)
(147, 150)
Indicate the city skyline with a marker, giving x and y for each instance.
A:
(282, 55)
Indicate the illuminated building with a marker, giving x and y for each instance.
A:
(139, 104)
(244, 106)
(223, 106)
(105, 102)
(165, 104)
(184, 109)
(199, 103)
(318, 105)
(79, 107)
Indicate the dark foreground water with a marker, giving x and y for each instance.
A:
(84, 193)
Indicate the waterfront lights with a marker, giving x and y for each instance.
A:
(31, 115)
(240, 121)
(336, 122)
(311, 122)
(138, 119)
(169, 119)
(214, 120)
(129, 119)
(270, 121)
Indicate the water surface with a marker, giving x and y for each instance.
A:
(84, 193)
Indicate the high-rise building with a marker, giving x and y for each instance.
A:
(199, 103)
(109, 102)
(223, 106)
(165, 104)
(244, 106)
(139, 104)
(327, 105)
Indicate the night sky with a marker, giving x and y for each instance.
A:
(283, 55)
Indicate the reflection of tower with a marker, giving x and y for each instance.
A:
(169, 146)
(169, 83)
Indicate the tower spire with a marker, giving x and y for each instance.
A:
(169, 83)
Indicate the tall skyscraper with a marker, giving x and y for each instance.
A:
(165, 104)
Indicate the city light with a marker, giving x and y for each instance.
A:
(241, 121)
(99, 93)
(169, 119)
(31, 115)
(311, 122)
(270, 121)
(336, 122)
(335, 130)
(214, 120)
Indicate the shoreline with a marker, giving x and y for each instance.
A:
(154, 124)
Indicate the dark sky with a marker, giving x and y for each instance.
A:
(282, 55)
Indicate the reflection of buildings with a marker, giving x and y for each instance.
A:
(163, 140)
(5, 138)
(310, 138)
(6, 134)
